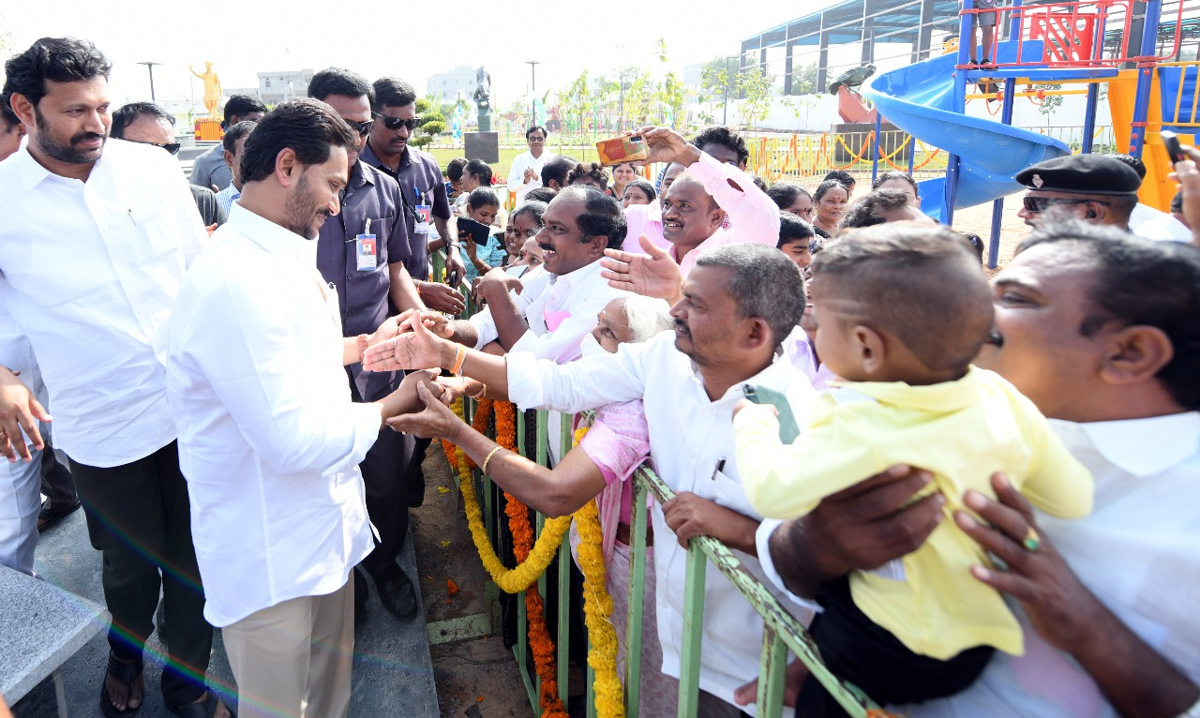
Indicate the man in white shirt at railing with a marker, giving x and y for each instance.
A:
(738, 304)
(269, 438)
(1100, 331)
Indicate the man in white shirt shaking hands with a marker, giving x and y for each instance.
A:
(269, 439)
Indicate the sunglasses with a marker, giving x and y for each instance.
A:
(395, 123)
(362, 128)
(171, 147)
(1036, 205)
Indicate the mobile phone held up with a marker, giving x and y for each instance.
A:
(788, 429)
(1174, 150)
(619, 150)
(478, 231)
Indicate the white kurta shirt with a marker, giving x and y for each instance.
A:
(89, 271)
(516, 174)
(269, 440)
(580, 295)
(691, 442)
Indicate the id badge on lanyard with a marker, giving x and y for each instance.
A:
(366, 250)
(424, 212)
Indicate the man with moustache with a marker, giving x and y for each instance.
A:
(362, 252)
(394, 107)
(94, 241)
(270, 440)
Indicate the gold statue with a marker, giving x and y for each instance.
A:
(212, 88)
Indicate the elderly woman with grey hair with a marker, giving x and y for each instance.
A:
(600, 467)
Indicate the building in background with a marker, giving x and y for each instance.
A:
(459, 82)
(277, 86)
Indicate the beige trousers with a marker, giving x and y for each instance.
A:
(293, 660)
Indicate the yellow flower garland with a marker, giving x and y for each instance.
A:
(598, 605)
(597, 610)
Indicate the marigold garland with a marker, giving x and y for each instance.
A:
(597, 610)
(533, 559)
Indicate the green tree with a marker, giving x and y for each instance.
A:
(432, 124)
(804, 80)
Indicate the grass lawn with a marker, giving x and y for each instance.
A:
(443, 155)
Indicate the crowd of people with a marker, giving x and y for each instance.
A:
(246, 370)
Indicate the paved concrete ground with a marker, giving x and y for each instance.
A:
(393, 675)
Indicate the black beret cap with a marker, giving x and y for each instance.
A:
(1082, 174)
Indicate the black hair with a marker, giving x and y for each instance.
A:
(235, 133)
(128, 113)
(541, 194)
(602, 216)
(7, 116)
(896, 175)
(869, 210)
(1140, 282)
(57, 59)
(843, 177)
(309, 127)
(827, 185)
(530, 207)
(393, 92)
(785, 194)
(1137, 165)
(726, 137)
(595, 170)
(557, 169)
(531, 130)
(241, 105)
(920, 283)
(1177, 203)
(975, 242)
(454, 168)
(482, 197)
(644, 186)
(340, 81)
(759, 183)
(480, 170)
(792, 229)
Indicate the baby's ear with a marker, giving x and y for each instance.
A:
(871, 348)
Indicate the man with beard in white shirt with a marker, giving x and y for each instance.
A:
(269, 439)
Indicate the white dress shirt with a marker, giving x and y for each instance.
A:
(1137, 552)
(582, 294)
(691, 442)
(269, 440)
(1150, 223)
(516, 174)
(89, 271)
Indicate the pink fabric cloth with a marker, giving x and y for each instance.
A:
(618, 443)
(553, 319)
(753, 216)
(644, 219)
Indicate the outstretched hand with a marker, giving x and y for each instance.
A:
(434, 421)
(653, 274)
(416, 348)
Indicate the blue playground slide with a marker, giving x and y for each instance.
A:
(919, 99)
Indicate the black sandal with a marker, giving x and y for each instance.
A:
(126, 672)
(201, 709)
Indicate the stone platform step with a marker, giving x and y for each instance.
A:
(393, 673)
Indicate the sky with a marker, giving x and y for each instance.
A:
(272, 35)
